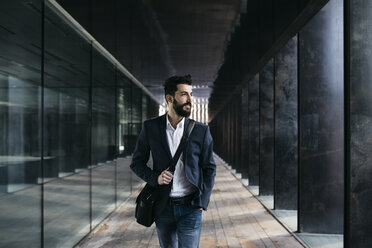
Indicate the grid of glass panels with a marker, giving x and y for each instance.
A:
(69, 120)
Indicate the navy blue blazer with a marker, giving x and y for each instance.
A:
(200, 168)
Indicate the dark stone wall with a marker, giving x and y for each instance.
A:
(322, 122)
(244, 132)
(230, 135)
(238, 130)
(359, 216)
(232, 112)
(264, 22)
(225, 138)
(253, 130)
(267, 129)
(286, 148)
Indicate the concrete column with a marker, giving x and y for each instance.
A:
(244, 133)
(286, 148)
(238, 132)
(358, 227)
(267, 129)
(234, 120)
(225, 135)
(230, 135)
(321, 110)
(253, 130)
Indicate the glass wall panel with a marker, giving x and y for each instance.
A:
(144, 107)
(103, 137)
(152, 108)
(124, 118)
(74, 136)
(124, 113)
(136, 123)
(20, 98)
(66, 133)
(135, 126)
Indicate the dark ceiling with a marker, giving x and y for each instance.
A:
(155, 39)
(221, 43)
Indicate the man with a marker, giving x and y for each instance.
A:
(184, 194)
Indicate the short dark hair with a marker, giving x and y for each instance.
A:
(170, 85)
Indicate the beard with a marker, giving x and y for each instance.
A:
(179, 108)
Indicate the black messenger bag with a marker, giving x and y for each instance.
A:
(146, 199)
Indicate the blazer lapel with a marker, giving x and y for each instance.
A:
(185, 124)
(163, 134)
(185, 130)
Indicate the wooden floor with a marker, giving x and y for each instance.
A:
(234, 219)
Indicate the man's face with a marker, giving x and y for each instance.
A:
(182, 100)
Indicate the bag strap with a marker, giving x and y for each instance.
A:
(185, 137)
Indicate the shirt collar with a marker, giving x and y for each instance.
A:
(179, 125)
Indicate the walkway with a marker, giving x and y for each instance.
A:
(234, 219)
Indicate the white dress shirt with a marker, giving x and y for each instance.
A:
(181, 186)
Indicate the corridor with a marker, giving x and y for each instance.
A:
(235, 218)
(284, 86)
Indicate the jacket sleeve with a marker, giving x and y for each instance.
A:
(208, 168)
(141, 157)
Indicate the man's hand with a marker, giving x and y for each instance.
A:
(165, 177)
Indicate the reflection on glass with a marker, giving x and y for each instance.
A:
(103, 137)
(136, 122)
(124, 118)
(91, 115)
(66, 133)
(144, 111)
(135, 126)
(20, 80)
(124, 113)
(152, 109)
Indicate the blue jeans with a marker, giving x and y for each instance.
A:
(182, 222)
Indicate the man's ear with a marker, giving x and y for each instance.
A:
(169, 98)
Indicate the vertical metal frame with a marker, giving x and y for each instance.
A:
(347, 136)
(116, 136)
(130, 129)
(90, 107)
(42, 120)
(230, 134)
(298, 133)
(259, 133)
(274, 125)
